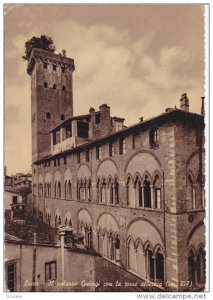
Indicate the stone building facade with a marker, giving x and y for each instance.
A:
(135, 193)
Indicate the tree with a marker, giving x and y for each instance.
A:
(43, 42)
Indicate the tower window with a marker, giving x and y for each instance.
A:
(45, 65)
(63, 88)
(62, 117)
(63, 69)
(45, 85)
(48, 115)
(54, 67)
(54, 86)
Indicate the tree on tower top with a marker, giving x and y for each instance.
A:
(43, 42)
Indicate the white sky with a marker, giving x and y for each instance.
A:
(138, 59)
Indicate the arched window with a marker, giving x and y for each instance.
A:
(89, 190)
(82, 191)
(117, 249)
(103, 191)
(77, 190)
(190, 193)
(157, 192)
(127, 191)
(200, 197)
(147, 192)
(200, 266)
(65, 190)
(54, 86)
(55, 190)
(191, 267)
(154, 137)
(116, 188)
(159, 260)
(69, 191)
(98, 191)
(150, 264)
(59, 189)
(138, 191)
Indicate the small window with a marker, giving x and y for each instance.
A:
(45, 65)
(78, 157)
(65, 160)
(198, 137)
(11, 276)
(58, 161)
(15, 199)
(122, 146)
(63, 69)
(63, 88)
(154, 137)
(50, 271)
(45, 85)
(54, 67)
(62, 117)
(48, 115)
(98, 153)
(87, 155)
(111, 149)
(54, 86)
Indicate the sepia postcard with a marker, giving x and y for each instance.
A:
(105, 110)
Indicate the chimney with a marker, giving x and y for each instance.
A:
(184, 102)
(105, 119)
(92, 123)
(202, 106)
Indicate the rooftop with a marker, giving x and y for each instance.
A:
(173, 114)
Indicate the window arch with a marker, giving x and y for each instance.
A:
(138, 192)
(157, 192)
(59, 189)
(147, 192)
(190, 192)
(191, 267)
(200, 196)
(98, 190)
(159, 261)
(103, 191)
(200, 266)
(116, 191)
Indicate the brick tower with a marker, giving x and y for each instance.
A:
(51, 96)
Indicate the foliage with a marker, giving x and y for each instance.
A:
(43, 42)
